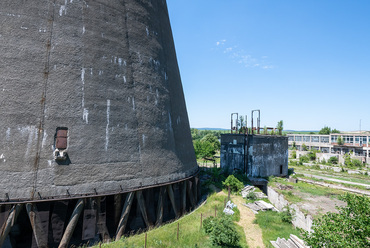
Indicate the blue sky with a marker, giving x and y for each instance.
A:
(304, 62)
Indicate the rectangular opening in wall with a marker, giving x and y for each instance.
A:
(61, 138)
(281, 169)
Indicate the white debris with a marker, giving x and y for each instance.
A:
(228, 210)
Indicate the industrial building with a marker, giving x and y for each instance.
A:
(95, 138)
(255, 155)
(356, 143)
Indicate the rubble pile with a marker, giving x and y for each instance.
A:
(260, 206)
(292, 242)
(228, 210)
(249, 188)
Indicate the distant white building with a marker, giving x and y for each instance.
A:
(357, 143)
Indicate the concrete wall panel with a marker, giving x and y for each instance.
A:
(107, 71)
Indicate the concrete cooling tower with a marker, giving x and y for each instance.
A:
(95, 139)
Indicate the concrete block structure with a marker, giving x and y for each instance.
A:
(255, 155)
(95, 138)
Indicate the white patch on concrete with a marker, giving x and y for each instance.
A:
(2, 156)
(124, 79)
(147, 31)
(83, 86)
(8, 134)
(44, 139)
(25, 28)
(85, 115)
(144, 138)
(32, 135)
(120, 60)
(165, 76)
(133, 103)
(50, 162)
(83, 29)
(100, 72)
(42, 30)
(107, 128)
(124, 63)
(63, 8)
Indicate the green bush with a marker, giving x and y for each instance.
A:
(333, 160)
(224, 233)
(208, 224)
(294, 154)
(356, 163)
(235, 185)
(312, 156)
(251, 196)
(287, 214)
(304, 159)
(350, 227)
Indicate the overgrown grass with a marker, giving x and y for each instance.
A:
(191, 234)
(273, 227)
(301, 187)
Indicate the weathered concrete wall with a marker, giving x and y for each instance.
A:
(232, 155)
(107, 71)
(300, 219)
(266, 155)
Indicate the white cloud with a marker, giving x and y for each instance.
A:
(227, 50)
(242, 57)
(221, 42)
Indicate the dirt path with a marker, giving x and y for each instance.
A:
(253, 232)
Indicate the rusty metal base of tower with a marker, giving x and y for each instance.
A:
(91, 219)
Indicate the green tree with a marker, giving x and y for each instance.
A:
(234, 183)
(212, 139)
(335, 131)
(280, 127)
(203, 149)
(340, 141)
(294, 146)
(350, 227)
(325, 130)
(304, 147)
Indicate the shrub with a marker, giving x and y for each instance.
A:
(304, 159)
(356, 163)
(224, 232)
(304, 147)
(287, 214)
(348, 228)
(234, 183)
(208, 224)
(333, 160)
(312, 156)
(294, 154)
(251, 196)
